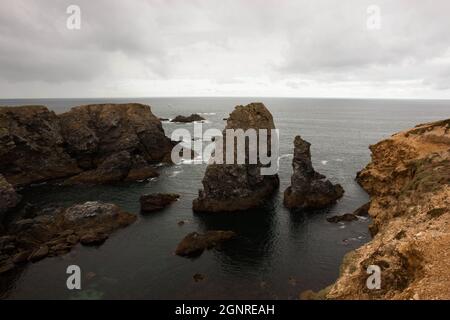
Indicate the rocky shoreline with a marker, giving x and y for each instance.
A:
(408, 181)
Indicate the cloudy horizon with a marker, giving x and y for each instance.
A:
(236, 48)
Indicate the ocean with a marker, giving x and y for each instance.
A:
(278, 253)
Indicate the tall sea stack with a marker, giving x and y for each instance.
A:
(235, 187)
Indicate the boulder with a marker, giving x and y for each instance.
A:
(193, 117)
(157, 201)
(309, 189)
(235, 187)
(8, 196)
(345, 217)
(194, 243)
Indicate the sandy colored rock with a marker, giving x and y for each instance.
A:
(408, 180)
(157, 201)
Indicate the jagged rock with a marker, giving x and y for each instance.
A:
(8, 196)
(157, 201)
(308, 188)
(32, 147)
(89, 223)
(234, 187)
(345, 217)
(114, 142)
(193, 117)
(408, 177)
(194, 243)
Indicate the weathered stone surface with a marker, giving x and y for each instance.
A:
(8, 196)
(34, 239)
(193, 117)
(114, 142)
(31, 146)
(234, 187)
(345, 217)
(308, 188)
(157, 201)
(194, 243)
(408, 177)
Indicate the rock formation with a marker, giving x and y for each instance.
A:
(183, 119)
(157, 201)
(114, 141)
(408, 180)
(31, 240)
(234, 187)
(32, 147)
(8, 196)
(361, 211)
(91, 144)
(194, 243)
(308, 188)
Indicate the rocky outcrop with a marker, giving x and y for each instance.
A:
(91, 144)
(157, 201)
(309, 189)
(8, 196)
(194, 243)
(234, 187)
(408, 180)
(31, 240)
(346, 217)
(114, 142)
(32, 147)
(183, 119)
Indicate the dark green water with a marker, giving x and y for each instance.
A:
(277, 255)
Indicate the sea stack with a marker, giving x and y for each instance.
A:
(309, 189)
(235, 187)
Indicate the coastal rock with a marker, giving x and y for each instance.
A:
(183, 119)
(347, 217)
(194, 243)
(8, 196)
(235, 187)
(408, 181)
(32, 147)
(34, 239)
(308, 188)
(157, 201)
(114, 142)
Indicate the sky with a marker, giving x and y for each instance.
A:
(257, 48)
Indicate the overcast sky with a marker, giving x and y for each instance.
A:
(139, 48)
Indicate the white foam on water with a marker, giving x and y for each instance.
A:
(324, 162)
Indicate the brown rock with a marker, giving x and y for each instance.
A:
(21, 257)
(8, 196)
(39, 254)
(157, 201)
(345, 217)
(93, 239)
(194, 243)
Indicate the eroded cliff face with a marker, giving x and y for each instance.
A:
(235, 187)
(409, 184)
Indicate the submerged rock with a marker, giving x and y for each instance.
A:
(157, 201)
(8, 196)
(194, 243)
(308, 188)
(193, 117)
(34, 239)
(345, 217)
(234, 187)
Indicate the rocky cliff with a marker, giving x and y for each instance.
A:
(309, 189)
(92, 144)
(234, 187)
(408, 180)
